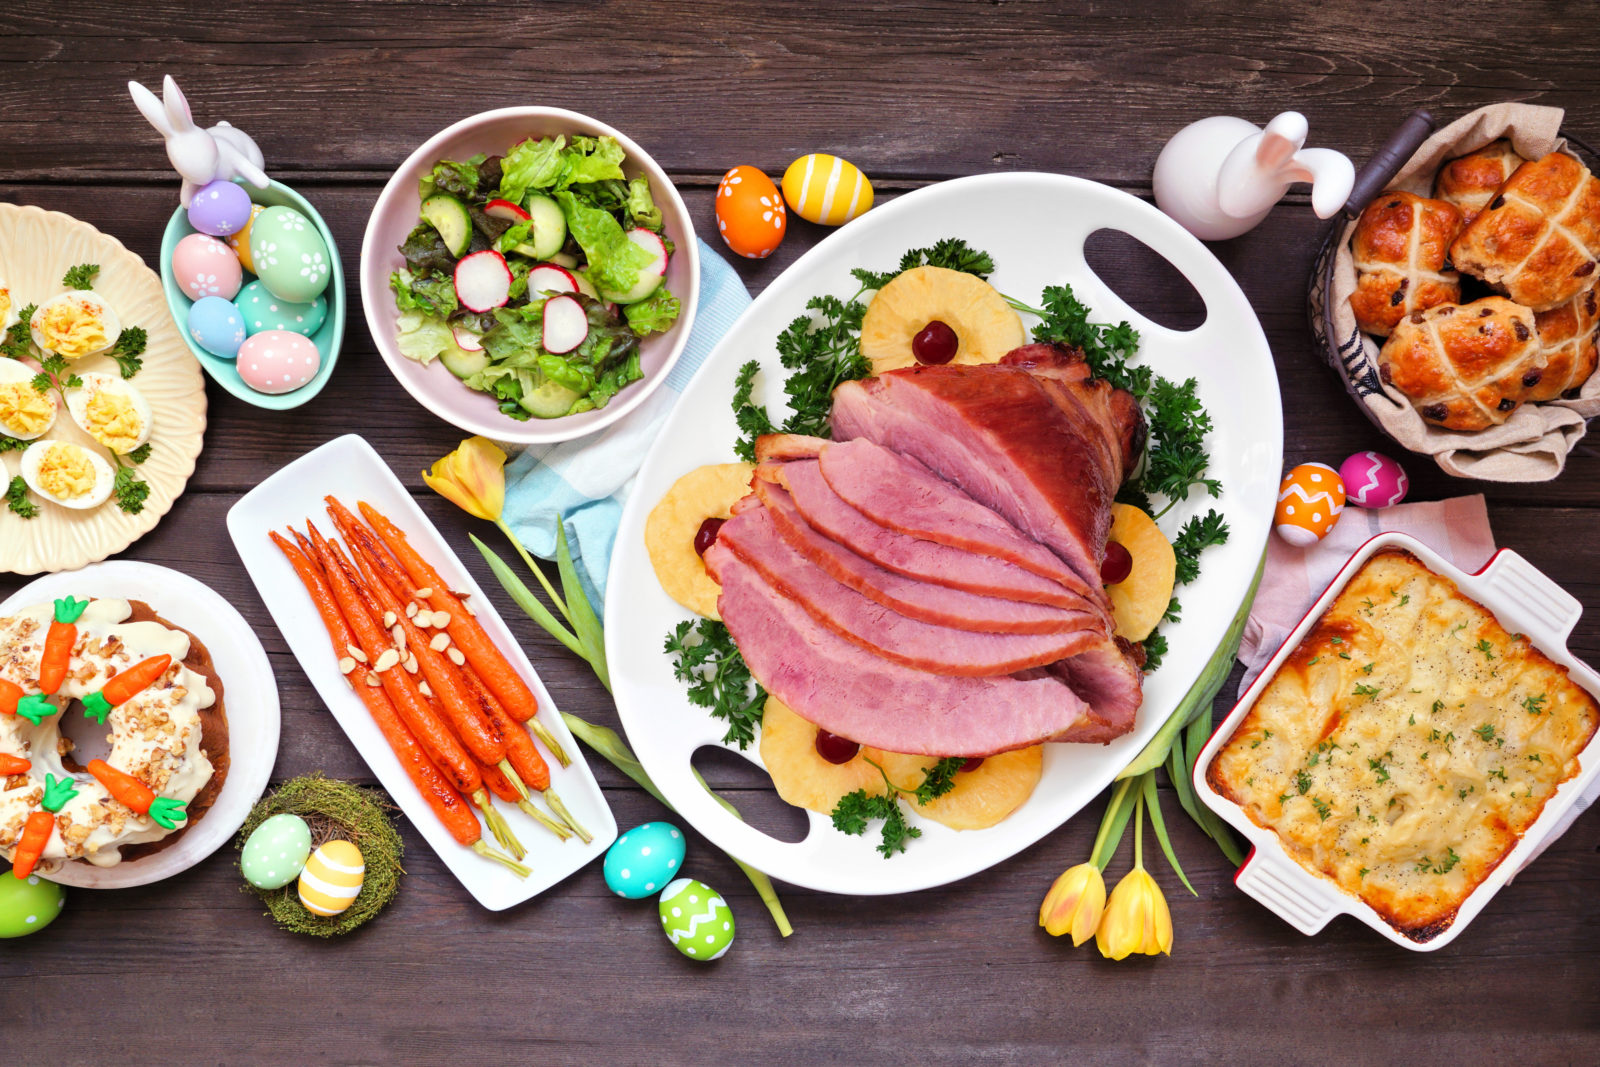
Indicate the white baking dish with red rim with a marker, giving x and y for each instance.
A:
(1525, 601)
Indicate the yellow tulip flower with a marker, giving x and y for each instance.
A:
(1075, 903)
(1136, 919)
(473, 478)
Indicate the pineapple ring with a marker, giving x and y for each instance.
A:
(981, 798)
(803, 778)
(1140, 600)
(669, 532)
(986, 326)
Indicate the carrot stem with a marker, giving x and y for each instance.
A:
(497, 824)
(533, 812)
(548, 739)
(566, 816)
(505, 861)
(514, 778)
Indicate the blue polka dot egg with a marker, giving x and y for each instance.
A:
(644, 860)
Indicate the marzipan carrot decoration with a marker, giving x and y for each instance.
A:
(10, 765)
(447, 804)
(124, 686)
(10, 694)
(58, 643)
(486, 659)
(436, 739)
(165, 812)
(35, 836)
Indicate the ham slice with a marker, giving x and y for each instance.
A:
(849, 691)
(753, 537)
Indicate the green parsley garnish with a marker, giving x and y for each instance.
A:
(855, 810)
(1379, 769)
(1366, 691)
(17, 498)
(1302, 782)
(1486, 731)
(130, 346)
(1484, 646)
(1535, 705)
(1265, 735)
(1500, 773)
(1368, 668)
(18, 340)
(1323, 808)
(81, 276)
(704, 655)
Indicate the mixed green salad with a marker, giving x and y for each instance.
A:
(532, 276)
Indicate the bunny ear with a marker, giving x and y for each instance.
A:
(149, 107)
(177, 105)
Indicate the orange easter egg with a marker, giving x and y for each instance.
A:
(750, 213)
(1310, 501)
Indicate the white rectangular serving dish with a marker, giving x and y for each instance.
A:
(349, 468)
(1525, 601)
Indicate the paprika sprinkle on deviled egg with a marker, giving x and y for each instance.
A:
(75, 324)
(111, 411)
(25, 412)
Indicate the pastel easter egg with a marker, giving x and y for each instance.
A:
(28, 905)
(1310, 501)
(644, 859)
(276, 852)
(240, 242)
(696, 919)
(220, 208)
(204, 266)
(216, 326)
(278, 361)
(332, 878)
(263, 311)
(1372, 480)
(289, 255)
(750, 213)
(826, 189)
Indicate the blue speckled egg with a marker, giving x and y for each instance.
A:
(216, 326)
(289, 255)
(219, 208)
(643, 860)
(262, 311)
(276, 852)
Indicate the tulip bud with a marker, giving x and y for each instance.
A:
(472, 477)
(1074, 903)
(1136, 919)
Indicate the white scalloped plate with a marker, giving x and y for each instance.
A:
(36, 249)
(1035, 226)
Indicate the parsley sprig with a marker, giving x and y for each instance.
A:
(17, 498)
(704, 655)
(855, 810)
(129, 347)
(81, 277)
(18, 337)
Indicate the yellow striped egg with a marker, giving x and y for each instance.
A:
(1310, 501)
(826, 189)
(332, 878)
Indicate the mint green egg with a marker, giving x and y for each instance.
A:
(289, 255)
(28, 905)
(277, 852)
(262, 311)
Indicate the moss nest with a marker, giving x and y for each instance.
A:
(333, 809)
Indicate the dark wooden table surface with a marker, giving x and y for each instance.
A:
(337, 92)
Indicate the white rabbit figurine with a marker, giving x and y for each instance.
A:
(1219, 177)
(199, 156)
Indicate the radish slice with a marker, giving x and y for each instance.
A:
(548, 279)
(466, 339)
(483, 281)
(651, 242)
(504, 209)
(565, 324)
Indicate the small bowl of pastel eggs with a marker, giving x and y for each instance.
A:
(253, 280)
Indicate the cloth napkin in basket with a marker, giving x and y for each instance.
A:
(587, 481)
(1457, 529)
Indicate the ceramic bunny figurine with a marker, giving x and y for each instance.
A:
(1220, 176)
(199, 156)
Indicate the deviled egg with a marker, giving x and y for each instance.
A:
(67, 474)
(75, 324)
(8, 310)
(25, 413)
(111, 411)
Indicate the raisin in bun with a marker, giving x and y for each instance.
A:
(1465, 366)
(1538, 239)
(1399, 248)
(1567, 334)
(1471, 181)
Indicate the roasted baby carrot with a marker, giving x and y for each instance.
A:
(35, 836)
(10, 765)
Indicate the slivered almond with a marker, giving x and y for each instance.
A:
(441, 619)
(455, 655)
(422, 687)
(423, 618)
(388, 618)
(399, 635)
(440, 642)
(425, 592)
(468, 605)
(346, 665)
(387, 660)
(356, 654)
(411, 663)
(411, 609)
(373, 680)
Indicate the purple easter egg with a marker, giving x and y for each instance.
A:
(220, 209)
(1373, 481)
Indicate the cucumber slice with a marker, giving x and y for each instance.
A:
(550, 400)
(549, 225)
(462, 362)
(450, 217)
(650, 277)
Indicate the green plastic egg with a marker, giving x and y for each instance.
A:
(28, 905)
(262, 311)
(276, 853)
(696, 919)
(289, 255)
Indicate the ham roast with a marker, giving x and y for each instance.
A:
(929, 581)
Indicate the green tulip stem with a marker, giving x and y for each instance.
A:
(549, 590)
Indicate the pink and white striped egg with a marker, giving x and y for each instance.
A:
(278, 361)
(205, 266)
(1310, 501)
(1373, 481)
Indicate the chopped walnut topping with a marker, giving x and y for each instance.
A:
(64, 745)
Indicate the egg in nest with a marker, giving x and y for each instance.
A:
(111, 411)
(67, 474)
(75, 324)
(25, 413)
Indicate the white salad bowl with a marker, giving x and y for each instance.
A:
(396, 214)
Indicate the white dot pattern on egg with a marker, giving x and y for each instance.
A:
(277, 361)
(696, 919)
(216, 326)
(205, 266)
(642, 860)
(289, 254)
(276, 852)
(263, 311)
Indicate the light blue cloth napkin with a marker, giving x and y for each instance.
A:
(586, 481)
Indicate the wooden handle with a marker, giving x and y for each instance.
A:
(1386, 162)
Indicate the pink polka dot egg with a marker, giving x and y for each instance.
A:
(1310, 501)
(278, 361)
(205, 266)
(1373, 481)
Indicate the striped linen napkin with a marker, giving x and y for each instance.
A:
(587, 481)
